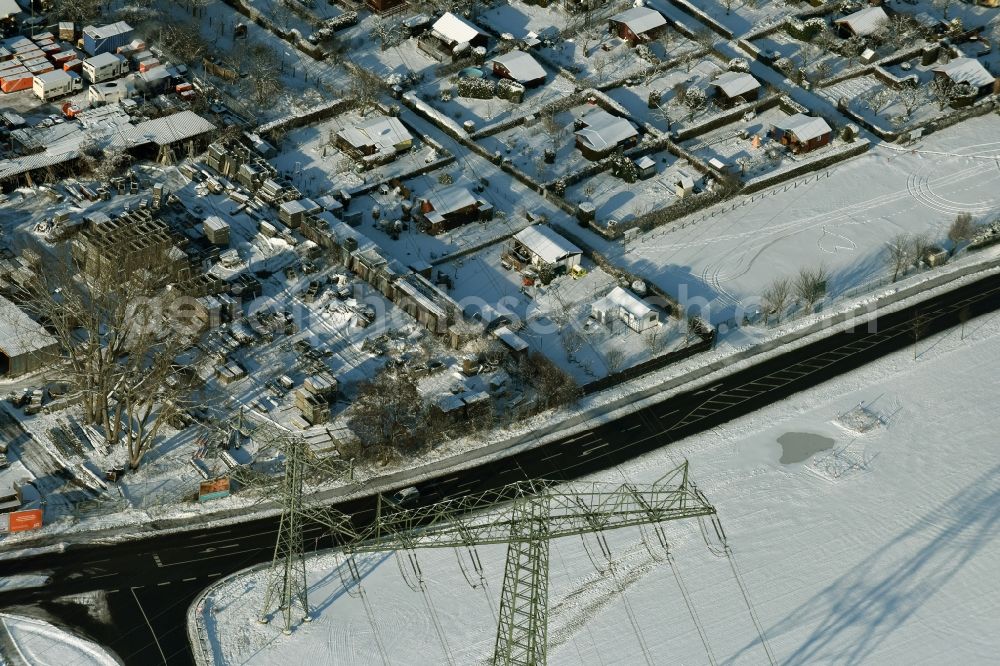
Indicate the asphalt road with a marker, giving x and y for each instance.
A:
(150, 583)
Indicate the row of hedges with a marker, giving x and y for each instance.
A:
(315, 114)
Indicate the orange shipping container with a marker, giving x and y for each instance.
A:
(147, 65)
(181, 87)
(73, 66)
(18, 82)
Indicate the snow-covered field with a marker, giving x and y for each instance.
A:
(857, 545)
(40, 643)
(843, 221)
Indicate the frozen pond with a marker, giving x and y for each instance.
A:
(799, 446)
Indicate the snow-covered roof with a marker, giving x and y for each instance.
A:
(866, 21)
(640, 19)
(19, 333)
(109, 30)
(54, 77)
(549, 246)
(645, 162)
(604, 130)
(622, 299)
(521, 66)
(450, 199)
(685, 180)
(8, 8)
(103, 59)
(383, 132)
(164, 131)
(736, 83)
(510, 338)
(805, 128)
(455, 29)
(215, 223)
(966, 70)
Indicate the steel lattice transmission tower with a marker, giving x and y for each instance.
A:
(524, 516)
(287, 580)
(287, 583)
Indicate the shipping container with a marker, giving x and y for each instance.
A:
(42, 68)
(63, 56)
(147, 65)
(106, 38)
(73, 66)
(34, 61)
(181, 87)
(16, 82)
(67, 31)
(52, 48)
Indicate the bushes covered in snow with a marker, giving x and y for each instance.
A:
(476, 88)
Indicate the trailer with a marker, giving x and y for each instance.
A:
(56, 84)
(103, 67)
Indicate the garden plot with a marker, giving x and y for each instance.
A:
(844, 222)
(310, 158)
(513, 203)
(525, 146)
(598, 58)
(519, 18)
(888, 107)
(727, 145)
(294, 15)
(739, 16)
(556, 317)
(614, 199)
(443, 95)
(673, 113)
(363, 47)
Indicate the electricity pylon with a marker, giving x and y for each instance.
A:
(525, 516)
(287, 580)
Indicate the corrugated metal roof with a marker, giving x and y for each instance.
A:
(164, 131)
(19, 333)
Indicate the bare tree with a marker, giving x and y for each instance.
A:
(920, 247)
(78, 11)
(389, 412)
(900, 255)
(911, 98)
(263, 73)
(942, 89)
(962, 229)
(810, 285)
(777, 296)
(878, 98)
(121, 352)
(614, 359)
(183, 42)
